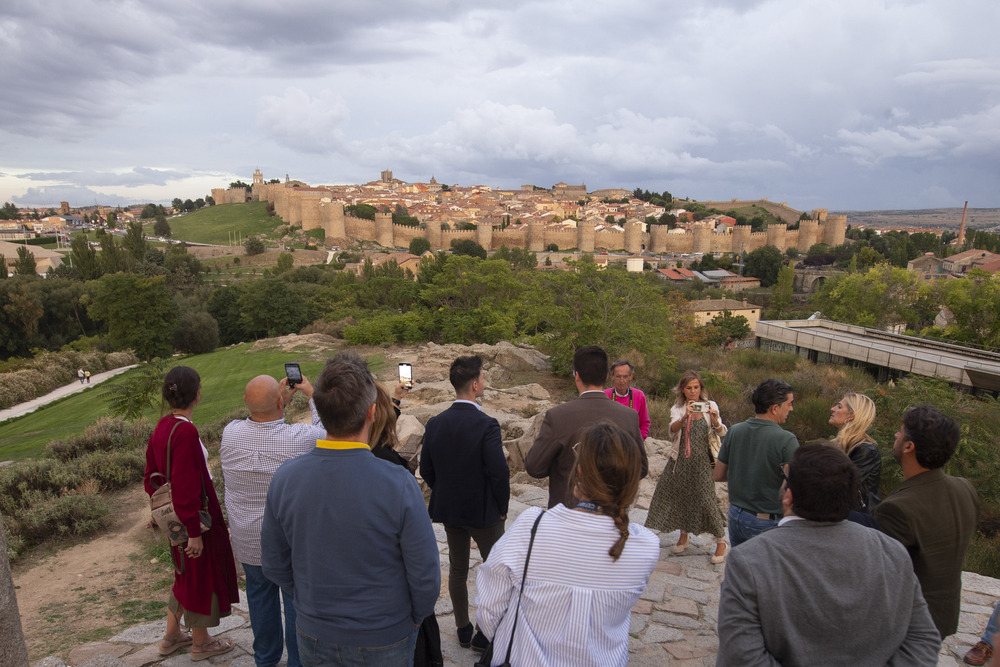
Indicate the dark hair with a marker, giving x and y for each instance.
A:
(934, 435)
(591, 362)
(622, 362)
(608, 470)
(770, 392)
(344, 391)
(464, 371)
(823, 481)
(180, 387)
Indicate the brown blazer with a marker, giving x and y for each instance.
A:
(934, 516)
(552, 453)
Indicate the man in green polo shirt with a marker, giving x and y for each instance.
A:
(750, 460)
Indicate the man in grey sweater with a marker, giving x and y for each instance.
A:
(349, 536)
(820, 590)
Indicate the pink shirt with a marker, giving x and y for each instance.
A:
(635, 400)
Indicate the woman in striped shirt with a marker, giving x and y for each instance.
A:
(587, 569)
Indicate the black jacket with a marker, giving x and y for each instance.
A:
(462, 461)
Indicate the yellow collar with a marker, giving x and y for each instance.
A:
(340, 444)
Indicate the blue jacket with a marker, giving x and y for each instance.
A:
(348, 534)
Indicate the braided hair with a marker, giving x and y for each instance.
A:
(609, 467)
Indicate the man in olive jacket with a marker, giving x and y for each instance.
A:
(932, 514)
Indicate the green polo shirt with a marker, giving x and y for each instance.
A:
(753, 451)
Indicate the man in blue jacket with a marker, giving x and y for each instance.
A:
(463, 462)
(347, 534)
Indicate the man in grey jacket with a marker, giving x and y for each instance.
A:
(820, 590)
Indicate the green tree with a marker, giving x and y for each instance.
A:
(254, 246)
(112, 219)
(3, 267)
(269, 308)
(468, 247)
(975, 303)
(781, 299)
(519, 258)
(136, 391)
(763, 263)
(419, 245)
(726, 327)
(285, 262)
(197, 332)
(24, 265)
(139, 313)
(149, 211)
(366, 211)
(239, 184)
(880, 296)
(177, 204)
(113, 257)
(161, 227)
(135, 242)
(83, 258)
(224, 307)
(9, 212)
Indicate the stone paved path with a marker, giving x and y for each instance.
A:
(673, 624)
(73, 387)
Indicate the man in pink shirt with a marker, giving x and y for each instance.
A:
(622, 373)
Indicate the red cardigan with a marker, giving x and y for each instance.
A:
(214, 572)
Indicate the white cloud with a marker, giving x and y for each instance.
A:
(303, 123)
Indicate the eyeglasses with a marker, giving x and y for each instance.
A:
(576, 449)
(621, 377)
(781, 471)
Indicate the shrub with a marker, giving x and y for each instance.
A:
(21, 484)
(196, 333)
(25, 379)
(106, 434)
(113, 470)
(67, 515)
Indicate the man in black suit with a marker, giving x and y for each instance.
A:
(464, 465)
(552, 453)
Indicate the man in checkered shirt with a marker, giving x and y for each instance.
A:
(251, 450)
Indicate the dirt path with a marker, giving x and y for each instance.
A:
(94, 589)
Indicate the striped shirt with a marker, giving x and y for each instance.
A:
(577, 601)
(250, 453)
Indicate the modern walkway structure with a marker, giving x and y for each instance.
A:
(888, 354)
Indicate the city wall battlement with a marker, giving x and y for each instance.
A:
(315, 208)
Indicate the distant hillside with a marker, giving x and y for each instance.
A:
(931, 218)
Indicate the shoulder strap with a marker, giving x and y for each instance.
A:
(524, 576)
(176, 424)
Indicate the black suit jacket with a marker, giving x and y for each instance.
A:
(462, 461)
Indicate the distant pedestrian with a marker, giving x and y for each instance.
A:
(87, 375)
(80, 375)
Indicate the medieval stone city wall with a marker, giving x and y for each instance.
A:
(315, 209)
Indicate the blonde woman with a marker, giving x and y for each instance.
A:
(853, 416)
(685, 493)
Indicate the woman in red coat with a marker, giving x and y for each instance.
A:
(204, 567)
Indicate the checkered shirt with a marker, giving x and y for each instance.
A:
(250, 453)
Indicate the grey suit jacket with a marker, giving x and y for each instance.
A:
(934, 516)
(552, 455)
(810, 593)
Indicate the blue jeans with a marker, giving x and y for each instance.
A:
(317, 653)
(992, 625)
(265, 619)
(744, 525)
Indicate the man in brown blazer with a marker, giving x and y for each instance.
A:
(552, 453)
(932, 514)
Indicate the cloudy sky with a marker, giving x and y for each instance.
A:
(839, 104)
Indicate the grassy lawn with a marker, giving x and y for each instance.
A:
(215, 224)
(224, 374)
